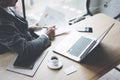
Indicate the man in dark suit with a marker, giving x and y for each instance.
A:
(15, 36)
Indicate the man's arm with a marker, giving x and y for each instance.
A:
(28, 51)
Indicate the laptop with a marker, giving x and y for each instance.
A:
(77, 46)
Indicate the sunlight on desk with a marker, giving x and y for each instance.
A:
(105, 57)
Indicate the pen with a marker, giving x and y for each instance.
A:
(45, 27)
(48, 27)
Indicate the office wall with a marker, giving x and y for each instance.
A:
(108, 7)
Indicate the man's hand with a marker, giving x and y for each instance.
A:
(35, 27)
(51, 32)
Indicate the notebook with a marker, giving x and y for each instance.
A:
(26, 71)
(77, 46)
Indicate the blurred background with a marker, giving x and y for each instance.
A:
(71, 8)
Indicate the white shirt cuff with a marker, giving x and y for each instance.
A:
(45, 35)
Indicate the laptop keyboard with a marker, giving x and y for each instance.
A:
(79, 46)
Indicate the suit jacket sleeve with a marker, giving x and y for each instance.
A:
(28, 50)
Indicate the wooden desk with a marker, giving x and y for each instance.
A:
(103, 58)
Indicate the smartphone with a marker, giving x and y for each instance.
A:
(86, 29)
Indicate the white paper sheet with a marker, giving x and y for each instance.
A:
(52, 17)
(70, 70)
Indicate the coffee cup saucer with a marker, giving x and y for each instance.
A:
(51, 66)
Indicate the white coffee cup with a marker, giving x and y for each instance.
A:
(54, 60)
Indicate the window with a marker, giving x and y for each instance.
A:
(71, 8)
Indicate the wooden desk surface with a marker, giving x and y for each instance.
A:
(103, 58)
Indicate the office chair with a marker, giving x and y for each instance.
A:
(87, 7)
(77, 19)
